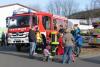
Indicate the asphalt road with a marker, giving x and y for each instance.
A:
(9, 57)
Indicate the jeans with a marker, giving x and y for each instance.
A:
(67, 54)
(32, 48)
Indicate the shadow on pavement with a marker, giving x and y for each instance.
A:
(8, 48)
(13, 54)
(12, 51)
(38, 58)
(24, 54)
(95, 60)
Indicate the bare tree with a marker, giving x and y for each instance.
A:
(95, 4)
(92, 9)
(63, 7)
(54, 7)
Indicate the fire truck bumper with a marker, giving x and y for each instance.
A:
(18, 40)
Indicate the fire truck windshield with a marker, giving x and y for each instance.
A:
(18, 21)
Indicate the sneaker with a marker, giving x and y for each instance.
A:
(34, 53)
(69, 62)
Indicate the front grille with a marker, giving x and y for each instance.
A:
(19, 35)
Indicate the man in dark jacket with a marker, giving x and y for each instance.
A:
(3, 39)
(32, 40)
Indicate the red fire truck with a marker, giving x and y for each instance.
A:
(20, 24)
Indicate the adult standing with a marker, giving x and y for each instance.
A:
(79, 43)
(39, 42)
(3, 39)
(32, 40)
(76, 31)
(68, 46)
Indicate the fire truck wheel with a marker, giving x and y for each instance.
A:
(18, 48)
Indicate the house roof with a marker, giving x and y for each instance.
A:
(19, 5)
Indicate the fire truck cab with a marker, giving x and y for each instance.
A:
(20, 24)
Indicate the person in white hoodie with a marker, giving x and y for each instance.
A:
(68, 46)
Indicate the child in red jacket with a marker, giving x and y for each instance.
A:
(60, 48)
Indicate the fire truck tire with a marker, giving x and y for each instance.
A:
(18, 48)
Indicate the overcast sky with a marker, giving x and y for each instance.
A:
(42, 3)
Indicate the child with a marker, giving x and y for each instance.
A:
(79, 43)
(46, 53)
(60, 47)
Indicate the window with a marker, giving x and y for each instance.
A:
(23, 20)
(46, 22)
(18, 21)
(58, 22)
(34, 20)
(55, 24)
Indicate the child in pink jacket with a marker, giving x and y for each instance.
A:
(46, 53)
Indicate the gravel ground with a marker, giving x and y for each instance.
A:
(90, 52)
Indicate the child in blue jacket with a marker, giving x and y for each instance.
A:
(79, 43)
